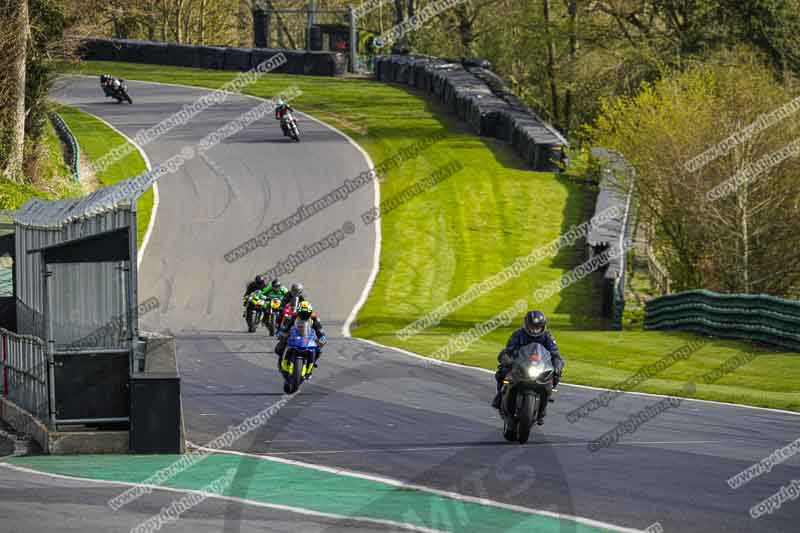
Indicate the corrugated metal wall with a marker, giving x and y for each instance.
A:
(86, 297)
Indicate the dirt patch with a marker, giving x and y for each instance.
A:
(89, 181)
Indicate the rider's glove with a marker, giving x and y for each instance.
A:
(323, 340)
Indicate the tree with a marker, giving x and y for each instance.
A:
(746, 240)
(17, 40)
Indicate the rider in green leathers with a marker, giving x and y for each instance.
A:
(274, 290)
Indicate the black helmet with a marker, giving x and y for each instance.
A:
(297, 289)
(261, 281)
(275, 283)
(535, 323)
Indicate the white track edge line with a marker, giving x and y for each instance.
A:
(373, 276)
(152, 222)
(371, 165)
(244, 501)
(346, 333)
(421, 488)
(436, 362)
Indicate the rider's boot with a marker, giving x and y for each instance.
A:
(498, 397)
(543, 409)
(496, 400)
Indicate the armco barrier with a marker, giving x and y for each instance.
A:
(754, 317)
(211, 57)
(480, 98)
(74, 148)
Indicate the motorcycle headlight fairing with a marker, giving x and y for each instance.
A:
(535, 370)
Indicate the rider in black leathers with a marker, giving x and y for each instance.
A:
(294, 297)
(534, 329)
(256, 285)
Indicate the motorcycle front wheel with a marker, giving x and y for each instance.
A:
(526, 412)
(510, 432)
(297, 373)
(252, 321)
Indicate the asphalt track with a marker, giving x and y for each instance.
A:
(378, 411)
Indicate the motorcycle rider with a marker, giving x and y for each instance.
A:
(257, 284)
(105, 83)
(274, 290)
(294, 297)
(304, 312)
(281, 108)
(109, 83)
(534, 329)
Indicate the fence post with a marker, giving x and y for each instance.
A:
(5, 367)
(351, 15)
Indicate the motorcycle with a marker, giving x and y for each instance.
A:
(525, 389)
(255, 309)
(298, 360)
(286, 313)
(272, 317)
(120, 94)
(289, 126)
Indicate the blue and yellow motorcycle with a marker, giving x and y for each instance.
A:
(297, 362)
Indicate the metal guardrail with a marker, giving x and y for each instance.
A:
(618, 304)
(754, 317)
(24, 373)
(72, 143)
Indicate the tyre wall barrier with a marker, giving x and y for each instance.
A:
(753, 317)
(481, 99)
(211, 57)
(612, 231)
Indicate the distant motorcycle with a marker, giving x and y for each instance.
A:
(289, 126)
(255, 308)
(120, 94)
(524, 391)
(298, 360)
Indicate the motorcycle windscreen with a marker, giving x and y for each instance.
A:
(535, 351)
(303, 334)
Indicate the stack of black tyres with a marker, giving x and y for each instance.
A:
(212, 57)
(480, 98)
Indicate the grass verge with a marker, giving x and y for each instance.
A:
(96, 139)
(470, 227)
(50, 178)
